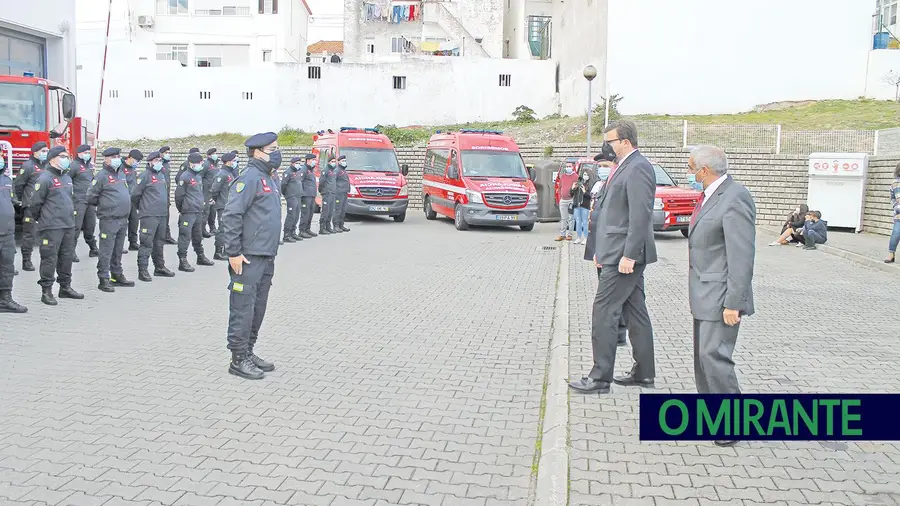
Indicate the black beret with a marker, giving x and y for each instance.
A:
(261, 140)
(153, 156)
(227, 157)
(56, 151)
(342, 157)
(164, 149)
(136, 154)
(82, 148)
(235, 152)
(38, 146)
(296, 159)
(310, 156)
(195, 157)
(112, 152)
(210, 151)
(194, 150)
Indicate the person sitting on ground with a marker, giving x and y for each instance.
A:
(814, 231)
(790, 231)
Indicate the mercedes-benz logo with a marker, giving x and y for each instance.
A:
(378, 192)
(507, 199)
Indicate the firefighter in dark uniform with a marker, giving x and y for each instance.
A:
(53, 209)
(189, 201)
(28, 175)
(151, 197)
(252, 222)
(292, 189)
(7, 243)
(167, 171)
(112, 196)
(185, 166)
(342, 187)
(308, 198)
(227, 175)
(130, 168)
(81, 171)
(208, 174)
(327, 188)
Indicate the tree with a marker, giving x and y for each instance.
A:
(893, 79)
(600, 111)
(524, 114)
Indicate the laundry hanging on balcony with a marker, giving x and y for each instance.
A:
(377, 11)
(405, 12)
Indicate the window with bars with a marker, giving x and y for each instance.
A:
(172, 52)
(247, 95)
(113, 93)
(205, 95)
(399, 82)
(314, 72)
(268, 6)
(208, 61)
(148, 93)
(505, 79)
(267, 55)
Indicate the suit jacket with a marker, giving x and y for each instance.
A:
(721, 253)
(625, 214)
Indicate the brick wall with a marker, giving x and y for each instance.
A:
(778, 182)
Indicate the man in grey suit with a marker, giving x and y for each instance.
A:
(624, 247)
(721, 250)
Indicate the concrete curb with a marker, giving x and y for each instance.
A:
(552, 487)
(849, 255)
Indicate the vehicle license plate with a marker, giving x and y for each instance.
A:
(507, 217)
(378, 208)
(683, 219)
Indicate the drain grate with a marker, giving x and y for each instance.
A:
(548, 248)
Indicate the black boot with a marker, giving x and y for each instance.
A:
(220, 254)
(66, 292)
(133, 247)
(263, 365)
(94, 252)
(336, 229)
(163, 272)
(330, 229)
(344, 228)
(202, 260)
(243, 367)
(106, 286)
(144, 275)
(183, 265)
(323, 230)
(75, 257)
(307, 234)
(26, 262)
(8, 305)
(120, 280)
(47, 296)
(288, 238)
(297, 237)
(206, 234)
(171, 240)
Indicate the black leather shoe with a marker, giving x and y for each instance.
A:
(75, 258)
(144, 275)
(263, 365)
(629, 380)
(106, 286)
(243, 367)
(26, 264)
(310, 234)
(590, 386)
(206, 235)
(133, 247)
(8, 305)
(120, 280)
(288, 238)
(621, 342)
(725, 444)
(202, 260)
(344, 228)
(94, 253)
(47, 297)
(171, 240)
(163, 272)
(184, 266)
(297, 237)
(220, 254)
(66, 292)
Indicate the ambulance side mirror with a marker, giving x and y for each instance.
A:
(531, 173)
(404, 169)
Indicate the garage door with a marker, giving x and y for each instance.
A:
(20, 53)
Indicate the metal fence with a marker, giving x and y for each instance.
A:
(766, 138)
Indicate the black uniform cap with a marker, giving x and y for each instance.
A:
(310, 156)
(194, 150)
(195, 157)
(112, 152)
(153, 156)
(136, 154)
(38, 146)
(260, 141)
(227, 157)
(82, 148)
(296, 159)
(164, 149)
(342, 157)
(54, 152)
(210, 151)
(234, 152)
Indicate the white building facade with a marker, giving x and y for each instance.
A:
(39, 41)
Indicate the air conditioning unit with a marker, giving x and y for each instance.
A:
(145, 21)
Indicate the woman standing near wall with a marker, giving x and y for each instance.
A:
(895, 233)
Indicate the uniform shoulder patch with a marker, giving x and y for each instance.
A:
(219, 179)
(239, 187)
(138, 180)
(37, 186)
(181, 183)
(93, 182)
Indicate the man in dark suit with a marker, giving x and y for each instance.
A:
(721, 251)
(624, 247)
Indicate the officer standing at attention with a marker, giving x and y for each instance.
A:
(28, 175)
(110, 193)
(189, 201)
(328, 189)
(53, 209)
(151, 198)
(81, 171)
(166, 159)
(292, 189)
(308, 198)
(252, 223)
(7, 243)
(130, 168)
(342, 187)
(185, 166)
(227, 175)
(208, 174)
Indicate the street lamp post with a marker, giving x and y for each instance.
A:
(589, 73)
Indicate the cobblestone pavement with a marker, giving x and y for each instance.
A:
(410, 362)
(823, 324)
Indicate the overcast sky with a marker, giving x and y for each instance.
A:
(330, 25)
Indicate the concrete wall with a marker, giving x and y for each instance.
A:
(53, 21)
(881, 64)
(579, 38)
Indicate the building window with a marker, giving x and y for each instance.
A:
(370, 48)
(267, 55)
(539, 36)
(208, 61)
(889, 14)
(399, 82)
(113, 93)
(172, 52)
(505, 79)
(228, 10)
(268, 6)
(148, 93)
(172, 7)
(400, 45)
(205, 95)
(247, 95)
(314, 72)
(215, 55)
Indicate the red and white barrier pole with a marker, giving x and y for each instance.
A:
(103, 73)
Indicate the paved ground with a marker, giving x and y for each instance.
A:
(410, 368)
(823, 324)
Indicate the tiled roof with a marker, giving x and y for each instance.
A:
(326, 46)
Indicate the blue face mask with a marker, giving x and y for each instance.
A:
(343, 164)
(296, 166)
(85, 156)
(311, 163)
(42, 156)
(569, 170)
(332, 165)
(691, 178)
(64, 164)
(157, 166)
(196, 168)
(167, 157)
(115, 163)
(2, 164)
(215, 158)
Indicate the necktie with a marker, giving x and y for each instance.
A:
(697, 208)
